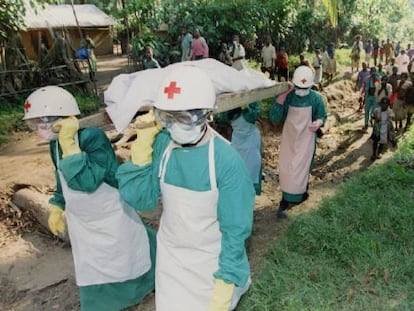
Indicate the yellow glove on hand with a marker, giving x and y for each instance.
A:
(56, 220)
(222, 294)
(67, 128)
(147, 128)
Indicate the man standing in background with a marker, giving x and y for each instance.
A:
(268, 58)
(369, 49)
(238, 54)
(282, 65)
(186, 38)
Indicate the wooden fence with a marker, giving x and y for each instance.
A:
(25, 80)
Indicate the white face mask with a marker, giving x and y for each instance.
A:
(182, 136)
(46, 133)
(301, 92)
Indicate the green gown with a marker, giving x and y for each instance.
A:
(246, 139)
(188, 168)
(85, 171)
(278, 114)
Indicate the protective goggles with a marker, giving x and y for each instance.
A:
(43, 123)
(185, 119)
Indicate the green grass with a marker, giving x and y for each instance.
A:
(11, 114)
(355, 252)
(10, 120)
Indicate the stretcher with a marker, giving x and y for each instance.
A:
(225, 102)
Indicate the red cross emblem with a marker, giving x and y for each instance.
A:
(27, 106)
(172, 89)
(303, 80)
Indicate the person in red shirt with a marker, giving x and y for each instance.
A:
(282, 65)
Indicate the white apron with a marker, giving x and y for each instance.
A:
(296, 150)
(109, 242)
(188, 244)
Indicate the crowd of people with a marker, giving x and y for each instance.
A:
(383, 97)
(383, 88)
(381, 53)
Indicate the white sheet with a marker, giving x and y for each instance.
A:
(127, 93)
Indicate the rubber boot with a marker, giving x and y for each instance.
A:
(281, 213)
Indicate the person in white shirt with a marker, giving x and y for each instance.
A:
(383, 89)
(390, 66)
(356, 50)
(268, 58)
(238, 54)
(402, 62)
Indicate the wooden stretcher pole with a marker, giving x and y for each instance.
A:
(229, 101)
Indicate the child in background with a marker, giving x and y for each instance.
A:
(149, 61)
(383, 131)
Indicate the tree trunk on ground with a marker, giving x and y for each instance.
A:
(37, 204)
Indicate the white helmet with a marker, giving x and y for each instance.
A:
(186, 87)
(303, 77)
(50, 101)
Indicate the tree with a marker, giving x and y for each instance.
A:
(11, 18)
(332, 7)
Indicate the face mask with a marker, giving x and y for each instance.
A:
(301, 92)
(182, 136)
(46, 133)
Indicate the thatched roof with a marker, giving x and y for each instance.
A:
(56, 16)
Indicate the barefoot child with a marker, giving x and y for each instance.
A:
(383, 131)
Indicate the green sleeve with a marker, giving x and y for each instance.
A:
(252, 113)
(97, 163)
(318, 107)
(57, 199)
(235, 214)
(278, 113)
(139, 186)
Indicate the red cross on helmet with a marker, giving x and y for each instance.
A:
(50, 101)
(186, 87)
(303, 77)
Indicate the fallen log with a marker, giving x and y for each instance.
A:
(37, 204)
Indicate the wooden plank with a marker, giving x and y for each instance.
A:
(99, 119)
(229, 101)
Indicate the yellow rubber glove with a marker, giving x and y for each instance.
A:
(222, 294)
(147, 128)
(67, 128)
(56, 220)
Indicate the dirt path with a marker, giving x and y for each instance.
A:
(36, 271)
